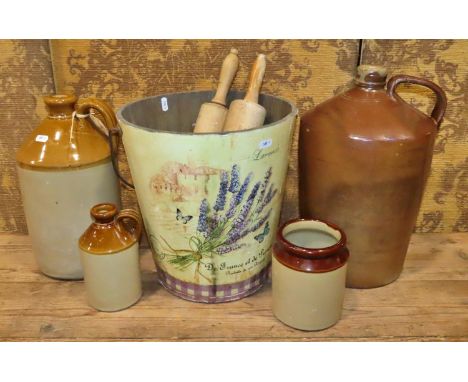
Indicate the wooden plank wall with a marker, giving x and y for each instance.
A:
(304, 71)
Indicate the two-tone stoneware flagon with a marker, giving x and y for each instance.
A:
(64, 168)
(309, 274)
(109, 254)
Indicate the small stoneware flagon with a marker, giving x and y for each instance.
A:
(308, 274)
(109, 254)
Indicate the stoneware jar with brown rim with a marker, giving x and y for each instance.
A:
(109, 254)
(309, 274)
(64, 168)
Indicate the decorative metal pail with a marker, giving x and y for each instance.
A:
(210, 202)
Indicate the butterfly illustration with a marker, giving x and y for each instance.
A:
(262, 235)
(184, 219)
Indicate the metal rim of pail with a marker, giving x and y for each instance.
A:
(121, 118)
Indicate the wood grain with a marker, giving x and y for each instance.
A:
(428, 303)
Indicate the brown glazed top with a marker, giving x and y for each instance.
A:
(311, 260)
(61, 141)
(109, 233)
(369, 112)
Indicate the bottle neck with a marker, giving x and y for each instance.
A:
(369, 86)
(60, 106)
(371, 77)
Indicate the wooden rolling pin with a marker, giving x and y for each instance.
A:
(212, 114)
(247, 113)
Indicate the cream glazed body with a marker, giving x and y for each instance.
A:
(109, 254)
(56, 205)
(307, 301)
(113, 280)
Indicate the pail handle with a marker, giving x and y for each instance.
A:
(441, 100)
(114, 135)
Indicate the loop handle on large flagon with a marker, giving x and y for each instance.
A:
(109, 128)
(441, 100)
(84, 107)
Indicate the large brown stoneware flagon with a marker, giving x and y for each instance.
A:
(64, 168)
(364, 157)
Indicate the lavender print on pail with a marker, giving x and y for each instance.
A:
(210, 202)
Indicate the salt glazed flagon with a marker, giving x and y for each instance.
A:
(64, 168)
(109, 255)
(364, 158)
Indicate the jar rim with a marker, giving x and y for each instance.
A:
(307, 252)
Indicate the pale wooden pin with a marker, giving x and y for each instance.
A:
(246, 113)
(212, 114)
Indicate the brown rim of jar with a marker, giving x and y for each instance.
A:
(311, 260)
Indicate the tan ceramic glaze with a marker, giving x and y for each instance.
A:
(307, 301)
(308, 282)
(112, 281)
(364, 157)
(109, 254)
(56, 204)
(210, 202)
(64, 168)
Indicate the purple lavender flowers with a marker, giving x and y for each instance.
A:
(202, 226)
(223, 189)
(234, 186)
(236, 198)
(220, 229)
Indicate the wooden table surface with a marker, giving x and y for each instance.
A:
(428, 302)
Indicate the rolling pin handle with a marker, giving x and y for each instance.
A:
(256, 79)
(228, 72)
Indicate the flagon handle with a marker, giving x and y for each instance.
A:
(85, 105)
(441, 100)
(132, 215)
(109, 128)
